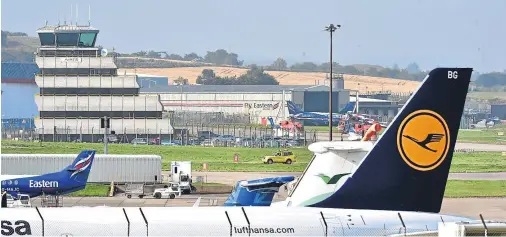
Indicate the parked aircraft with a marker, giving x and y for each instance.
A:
(397, 180)
(258, 192)
(335, 162)
(317, 118)
(406, 169)
(73, 178)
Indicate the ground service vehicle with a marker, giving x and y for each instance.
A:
(170, 191)
(181, 173)
(285, 156)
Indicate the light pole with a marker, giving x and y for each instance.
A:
(331, 28)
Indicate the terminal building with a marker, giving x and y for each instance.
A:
(79, 84)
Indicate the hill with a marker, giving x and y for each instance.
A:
(18, 48)
(367, 83)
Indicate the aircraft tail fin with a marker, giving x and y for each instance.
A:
(259, 192)
(408, 167)
(80, 168)
(293, 108)
(271, 121)
(349, 107)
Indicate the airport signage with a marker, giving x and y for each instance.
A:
(64, 60)
(43, 184)
(19, 227)
(264, 106)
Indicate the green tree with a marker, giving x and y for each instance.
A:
(174, 57)
(491, 79)
(279, 64)
(153, 54)
(304, 67)
(181, 81)
(191, 56)
(256, 76)
(222, 57)
(206, 76)
(413, 68)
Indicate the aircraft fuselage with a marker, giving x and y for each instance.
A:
(49, 184)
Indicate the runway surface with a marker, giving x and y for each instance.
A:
(490, 208)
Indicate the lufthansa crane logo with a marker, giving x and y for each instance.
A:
(423, 140)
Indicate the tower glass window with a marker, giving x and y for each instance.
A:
(87, 39)
(46, 39)
(67, 39)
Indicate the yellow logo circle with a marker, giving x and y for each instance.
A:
(423, 140)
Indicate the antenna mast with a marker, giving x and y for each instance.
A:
(89, 15)
(71, 15)
(77, 13)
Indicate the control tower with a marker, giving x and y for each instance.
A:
(79, 84)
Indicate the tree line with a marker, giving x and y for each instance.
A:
(219, 57)
(254, 76)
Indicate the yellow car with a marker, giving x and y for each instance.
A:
(286, 157)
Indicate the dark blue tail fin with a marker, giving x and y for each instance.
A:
(80, 169)
(408, 167)
(293, 108)
(349, 107)
(271, 121)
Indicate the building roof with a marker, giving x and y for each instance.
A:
(219, 88)
(144, 75)
(15, 70)
(233, 88)
(66, 28)
(362, 99)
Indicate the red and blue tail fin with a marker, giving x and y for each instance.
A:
(408, 167)
(80, 169)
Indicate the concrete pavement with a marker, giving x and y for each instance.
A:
(490, 208)
(230, 178)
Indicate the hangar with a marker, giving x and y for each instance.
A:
(260, 101)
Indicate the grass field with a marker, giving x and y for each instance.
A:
(454, 189)
(217, 158)
(221, 158)
(478, 162)
(92, 190)
(475, 188)
(483, 135)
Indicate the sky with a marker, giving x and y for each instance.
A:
(432, 33)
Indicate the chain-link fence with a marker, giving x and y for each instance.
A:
(195, 117)
(186, 135)
(233, 221)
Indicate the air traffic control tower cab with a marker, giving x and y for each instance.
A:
(79, 40)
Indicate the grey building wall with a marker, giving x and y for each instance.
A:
(298, 98)
(318, 101)
(387, 109)
(499, 110)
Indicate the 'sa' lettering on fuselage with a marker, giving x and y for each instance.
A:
(20, 227)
